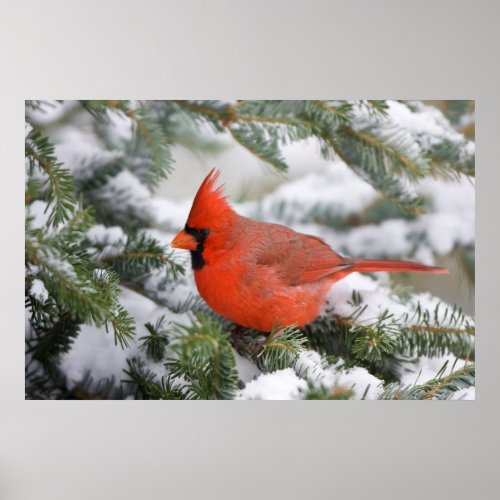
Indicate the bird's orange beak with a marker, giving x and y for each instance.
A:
(185, 241)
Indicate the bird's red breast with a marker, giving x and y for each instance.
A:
(261, 275)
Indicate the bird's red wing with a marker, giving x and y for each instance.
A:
(299, 258)
(323, 261)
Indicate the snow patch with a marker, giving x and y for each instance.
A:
(426, 122)
(94, 349)
(247, 370)
(38, 210)
(426, 369)
(310, 366)
(281, 385)
(106, 235)
(338, 191)
(39, 291)
(467, 394)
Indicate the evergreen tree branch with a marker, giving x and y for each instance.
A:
(157, 340)
(54, 331)
(140, 257)
(380, 156)
(425, 333)
(150, 130)
(72, 287)
(325, 114)
(378, 106)
(450, 158)
(212, 113)
(388, 186)
(151, 145)
(123, 326)
(147, 384)
(59, 186)
(320, 392)
(267, 150)
(280, 349)
(91, 295)
(200, 109)
(80, 222)
(438, 388)
(204, 359)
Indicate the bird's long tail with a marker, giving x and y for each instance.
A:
(370, 266)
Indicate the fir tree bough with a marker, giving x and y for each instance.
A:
(203, 356)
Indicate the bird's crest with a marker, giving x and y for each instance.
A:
(209, 205)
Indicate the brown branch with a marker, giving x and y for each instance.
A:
(329, 109)
(415, 328)
(431, 392)
(198, 109)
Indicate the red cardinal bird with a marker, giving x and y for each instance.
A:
(259, 274)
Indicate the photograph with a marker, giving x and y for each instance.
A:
(249, 249)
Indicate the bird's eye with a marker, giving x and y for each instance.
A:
(205, 232)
